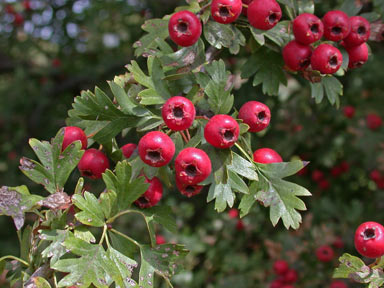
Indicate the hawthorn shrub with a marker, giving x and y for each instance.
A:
(192, 141)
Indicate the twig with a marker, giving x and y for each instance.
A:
(184, 137)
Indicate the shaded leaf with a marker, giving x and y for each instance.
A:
(91, 213)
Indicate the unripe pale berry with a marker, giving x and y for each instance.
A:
(72, 134)
(374, 121)
(266, 156)
(307, 28)
(156, 149)
(280, 267)
(325, 253)
(188, 190)
(360, 31)
(369, 239)
(184, 28)
(93, 163)
(178, 113)
(264, 14)
(128, 149)
(327, 59)
(336, 25)
(153, 194)
(192, 166)
(358, 55)
(221, 131)
(297, 56)
(226, 11)
(256, 115)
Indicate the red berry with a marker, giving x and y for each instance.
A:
(153, 194)
(338, 243)
(324, 184)
(360, 31)
(336, 171)
(178, 113)
(297, 56)
(221, 131)
(9, 9)
(344, 166)
(266, 156)
(264, 14)
(325, 253)
(226, 11)
(280, 267)
(336, 25)
(233, 213)
(128, 149)
(188, 190)
(184, 28)
(380, 183)
(93, 163)
(291, 276)
(307, 28)
(317, 175)
(349, 111)
(287, 286)
(375, 175)
(12, 155)
(277, 283)
(27, 5)
(18, 20)
(156, 149)
(72, 134)
(160, 240)
(245, 10)
(56, 62)
(327, 59)
(374, 121)
(192, 166)
(256, 115)
(369, 239)
(303, 171)
(338, 284)
(240, 225)
(358, 55)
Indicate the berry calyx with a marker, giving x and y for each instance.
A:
(188, 190)
(349, 111)
(221, 131)
(128, 149)
(192, 166)
(72, 134)
(360, 32)
(338, 284)
(266, 156)
(374, 121)
(153, 194)
(178, 113)
(156, 149)
(297, 56)
(280, 267)
(264, 14)
(358, 55)
(184, 28)
(307, 28)
(226, 11)
(256, 115)
(336, 25)
(93, 164)
(327, 59)
(369, 239)
(325, 253)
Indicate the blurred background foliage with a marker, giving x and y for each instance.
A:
(51, 50)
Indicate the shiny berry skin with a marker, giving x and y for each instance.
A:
(325, 253)
(245, 10)
(153, 194)
(360, 31)
(160, 240)
(256, 115)
(374, 121)
(291, 276)
(128, 149)
(280, 267)
(369, 239)
(336, 25)
(72, 134)
(178, 113)
(338, 284)
(358, 55)
(266, 156)
(233, 213)
(184, 28)
(264, 14)
(93, 163)
(349, 111)
(226, 11)
(188, 190)
(192, 166)
(307, 28)
(297, 56)
(221, 131)
(327, 59)
(156, 149)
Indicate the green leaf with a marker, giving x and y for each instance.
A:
(243, 167)
(126, 104)
(15, 201)
(306, 6)
(278, 34)
(192, 56)
(56, 249)
(83, 233)
(92, 213)
(157, 30)
(317, 92)
(333, 88)
(40, 282)
(223, 195)
(282, 169)
(237, 183)
(124, 267)
(162, 215)
(248, 200)
(351, 7)
(108, 202)
(123, 245)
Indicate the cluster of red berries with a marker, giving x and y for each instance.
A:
(373, 121)
(234, 214)
(335, 26)
(18, 18)
(286, 276)
(369, 240)
(377, 177)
